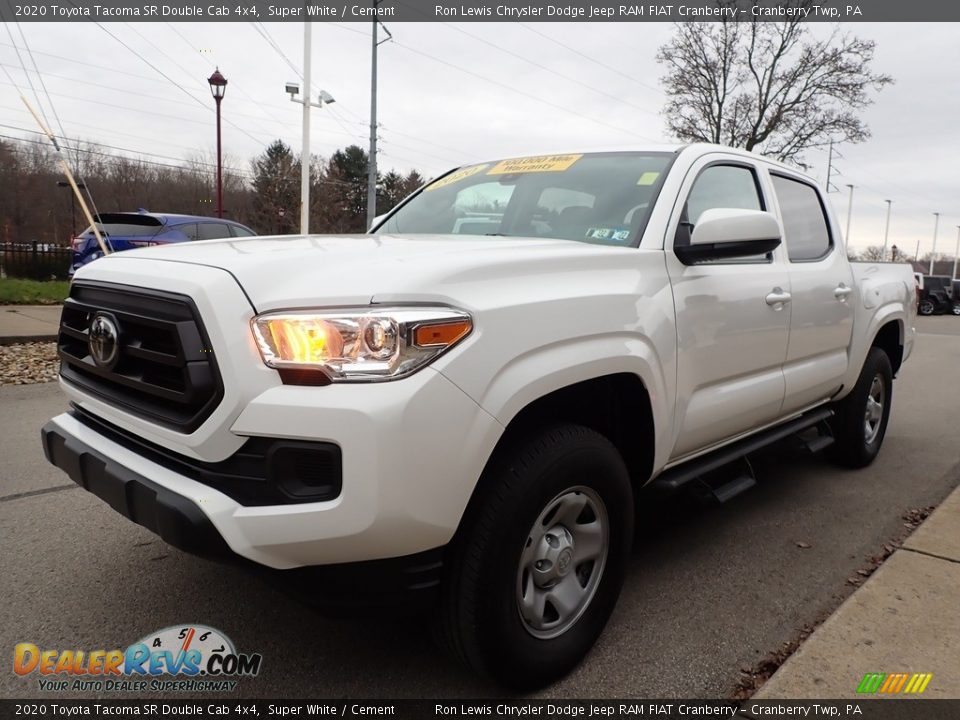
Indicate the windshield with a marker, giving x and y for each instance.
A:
(601, 198)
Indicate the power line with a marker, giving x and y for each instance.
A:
(602, 64)
(522, 93)
(121, 149)
(568, 78)
(115, 157)
(172, 81)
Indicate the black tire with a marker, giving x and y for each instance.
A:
(956, 308)
(481, 620)
(857, 443)
(926, 307)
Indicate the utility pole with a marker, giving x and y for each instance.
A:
(886, 232)
(933, 251)
(372, 160)
(305, 151)
(849, 213)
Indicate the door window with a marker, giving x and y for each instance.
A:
(721, 186)
(805, 228)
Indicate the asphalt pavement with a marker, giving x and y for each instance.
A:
(712, 589)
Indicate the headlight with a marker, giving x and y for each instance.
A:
(359, 344)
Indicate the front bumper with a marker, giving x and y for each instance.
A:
(412, 452)
(179, 522)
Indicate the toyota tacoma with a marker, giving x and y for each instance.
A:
(463, 403)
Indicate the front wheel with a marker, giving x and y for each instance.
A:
(860, 422)
(956, 308)
(537, 568)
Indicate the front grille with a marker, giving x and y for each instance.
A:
(165, 370)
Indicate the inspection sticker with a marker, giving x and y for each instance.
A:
(648, 178)
(616, 234)
(540, 163)
(457, 176)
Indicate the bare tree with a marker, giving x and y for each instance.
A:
(769, 87)
(874, 253)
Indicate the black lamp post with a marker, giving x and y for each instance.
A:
(73, 211)
(218, 86)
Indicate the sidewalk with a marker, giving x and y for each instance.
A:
(904, 619)
(28, 323)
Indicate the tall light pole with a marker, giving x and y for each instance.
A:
(324, 99)
(933, 251)
(218, 87)
(849, 213)
(955, 253)
(886, 232)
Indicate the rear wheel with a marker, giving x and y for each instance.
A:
(926, 307)
(538, 566)
(860, 422)
(956, 308)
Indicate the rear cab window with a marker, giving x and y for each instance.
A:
(806, 231)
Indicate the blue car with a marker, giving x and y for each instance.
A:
(125, 231)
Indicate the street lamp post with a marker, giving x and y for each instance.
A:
(325, 98)
(933, 251)
(886, 232)
(218, 87)
(73, 204)
(849, 213)
(955, 253)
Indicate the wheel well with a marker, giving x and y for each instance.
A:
(616, 406)
(888, 340)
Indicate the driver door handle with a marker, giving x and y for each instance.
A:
(778, 297)
(842, 292)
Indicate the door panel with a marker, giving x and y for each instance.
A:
(821, 312)
(731, 342)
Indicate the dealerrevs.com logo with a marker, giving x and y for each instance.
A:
(180, 658)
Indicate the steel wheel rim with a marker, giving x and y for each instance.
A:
(873, 415)
(562, 562)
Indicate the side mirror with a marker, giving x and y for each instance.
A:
(724, 233)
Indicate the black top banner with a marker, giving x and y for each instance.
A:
(630, 709)
(481, 11)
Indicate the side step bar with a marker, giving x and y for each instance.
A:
(675, 478)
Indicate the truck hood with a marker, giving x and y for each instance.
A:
(297, 271)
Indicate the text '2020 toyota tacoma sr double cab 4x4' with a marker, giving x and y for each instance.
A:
(464, 402)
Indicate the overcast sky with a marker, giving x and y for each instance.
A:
(454, 93)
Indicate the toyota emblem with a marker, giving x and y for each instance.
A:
(104, 340)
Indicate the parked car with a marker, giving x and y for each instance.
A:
(128, 230)
(937, 296)
(467, 418)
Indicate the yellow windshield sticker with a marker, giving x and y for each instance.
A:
(457, 176)
(541, 163)
(648, 178)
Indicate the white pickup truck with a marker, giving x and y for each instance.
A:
(464, 403)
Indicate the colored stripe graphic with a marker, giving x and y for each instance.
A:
(894, 683)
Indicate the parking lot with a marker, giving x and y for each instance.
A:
(712, 589)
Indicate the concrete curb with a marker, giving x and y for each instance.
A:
(20, 339)
(904, 619)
